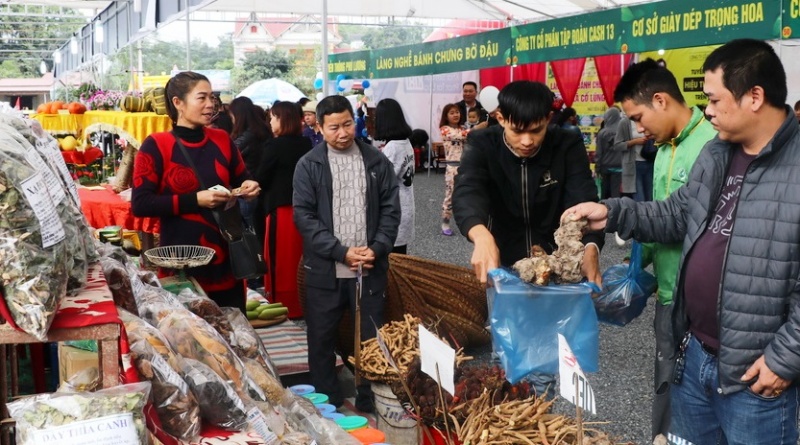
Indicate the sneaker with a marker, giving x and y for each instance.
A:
(620, 241)
(660, 440)
(446, 230)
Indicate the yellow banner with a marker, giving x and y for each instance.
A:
(687, 66)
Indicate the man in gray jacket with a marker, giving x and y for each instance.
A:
(347, 209)
(737, 299)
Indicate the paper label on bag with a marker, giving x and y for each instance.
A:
(258, 422)
(57, 161)
(117, 429)
(169, 375)
(50, 179)
(35, 192)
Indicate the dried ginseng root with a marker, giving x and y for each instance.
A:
(564, 265)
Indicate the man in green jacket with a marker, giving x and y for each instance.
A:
(652, 100)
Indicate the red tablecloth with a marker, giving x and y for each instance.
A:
(105, 208)
(91, 306)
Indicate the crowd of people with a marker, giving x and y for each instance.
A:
(712, 193)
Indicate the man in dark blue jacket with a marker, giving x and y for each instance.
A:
(347, 209)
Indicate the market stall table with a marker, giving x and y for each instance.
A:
(87, 315)
(61, 124)
(137, 125)
(102, 207)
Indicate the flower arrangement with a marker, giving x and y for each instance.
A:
(102, 100)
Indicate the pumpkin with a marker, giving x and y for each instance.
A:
(54, 107)
(76, 108)
(43, 108)
(133, 104)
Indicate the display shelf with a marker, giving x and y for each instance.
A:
(89, 314)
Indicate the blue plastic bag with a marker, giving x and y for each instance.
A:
(626, 288)
(525, 320)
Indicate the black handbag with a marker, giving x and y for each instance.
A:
(245, 250)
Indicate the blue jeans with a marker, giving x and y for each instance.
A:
(702, 416)
(248, 211)
(644, 181)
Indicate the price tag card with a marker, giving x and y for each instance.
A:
(436, 354)
(574, 385)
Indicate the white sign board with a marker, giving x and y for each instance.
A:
(574, 385)
(436, 354)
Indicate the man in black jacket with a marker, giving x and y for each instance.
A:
(515, 179)
(347, 209)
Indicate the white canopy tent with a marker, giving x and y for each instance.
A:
(513, 10)
(516, 10)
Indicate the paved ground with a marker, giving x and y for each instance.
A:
(623, 385)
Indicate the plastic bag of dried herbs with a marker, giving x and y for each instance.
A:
(154, 303)
(15, 146)
(192, 337)
(139, 330)
(175, 404)
(220, 405)
(111, 415)
(119, 282)
(246, 342)
(209, 311)
(48, 148)
(33, 252)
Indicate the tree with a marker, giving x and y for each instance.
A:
(30, 34)
(306, 64)
(390, 36)
(10, 69)
(259, 65)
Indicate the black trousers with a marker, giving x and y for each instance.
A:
(233, 297)
(323, 312)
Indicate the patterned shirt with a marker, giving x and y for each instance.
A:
(164, 185)
(349, 201)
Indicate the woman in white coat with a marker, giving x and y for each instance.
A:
(391, 136)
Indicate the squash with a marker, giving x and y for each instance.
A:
(54, 107)
(133, 104)
(43, 108)
(76, 108)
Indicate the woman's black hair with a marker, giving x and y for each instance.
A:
(390, 123)
(290, 116)
(179, 86)
(247, 117)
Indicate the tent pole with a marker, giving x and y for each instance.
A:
(130, 49)
(325, 47)
(188, 38)
(430, 126)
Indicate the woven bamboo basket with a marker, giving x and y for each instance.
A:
(443, 295)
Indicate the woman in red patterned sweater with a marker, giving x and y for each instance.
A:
(165, 185)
